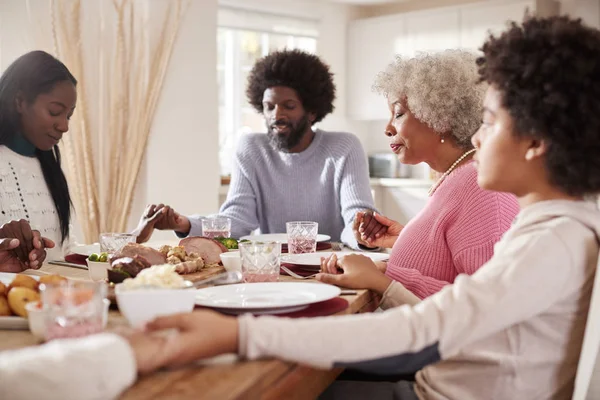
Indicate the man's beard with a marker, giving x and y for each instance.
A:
(286, 142)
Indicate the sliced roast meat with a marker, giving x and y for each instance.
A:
(206, 248)
(130, 265)
(154, 257)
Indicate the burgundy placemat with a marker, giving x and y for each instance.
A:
(302, 270)
(322, 309)
(76, 259)
(320, 246)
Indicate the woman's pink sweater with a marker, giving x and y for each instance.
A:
(454, 234)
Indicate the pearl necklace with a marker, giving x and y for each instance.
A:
(445, 174)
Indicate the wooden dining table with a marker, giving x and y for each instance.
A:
(224, 377)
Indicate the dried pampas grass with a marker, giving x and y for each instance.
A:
(130, 78)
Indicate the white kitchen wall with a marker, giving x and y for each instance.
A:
(181, 164)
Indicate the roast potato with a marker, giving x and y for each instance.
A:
(4, 308)
(18, 297)
(24, 281)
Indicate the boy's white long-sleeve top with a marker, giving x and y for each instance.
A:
(513, 330)
(98, 367)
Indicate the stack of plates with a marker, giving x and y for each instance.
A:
(278, 237)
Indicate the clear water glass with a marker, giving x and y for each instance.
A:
(112, 243)
(213, 227)
(260, 261)
(74, 308)
(302, 236)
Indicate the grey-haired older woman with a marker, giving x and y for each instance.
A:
(435, 104)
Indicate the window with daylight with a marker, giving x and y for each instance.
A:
(242, 38)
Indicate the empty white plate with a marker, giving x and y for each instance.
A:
(12, 322)
(315, 258)
(254, 297)
(278, 237)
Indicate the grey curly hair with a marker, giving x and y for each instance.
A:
(441, 90)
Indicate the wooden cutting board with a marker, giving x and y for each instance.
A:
(204, 274)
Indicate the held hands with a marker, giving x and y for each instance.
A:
(372, 229)
(353, 271)
(22, 247)
(192, 336)
(160, 217)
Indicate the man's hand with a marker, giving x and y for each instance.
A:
(160, 217)
(353, 271)
(374, 230)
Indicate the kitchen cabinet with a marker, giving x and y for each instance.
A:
(479, 20)
(432, 31)
(373, 42)
(372, 46)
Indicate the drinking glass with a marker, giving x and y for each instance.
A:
(213, 227)
(302, 236)
(112, 243)
(73, 308)
(260, 261)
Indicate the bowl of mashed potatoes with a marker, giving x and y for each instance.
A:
(155, 291)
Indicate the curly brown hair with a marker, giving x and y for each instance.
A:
(547, 71)
(304, 72)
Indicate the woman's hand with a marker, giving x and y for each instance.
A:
(374, 230)
(353, 271)
(160, 217)
(31, 250)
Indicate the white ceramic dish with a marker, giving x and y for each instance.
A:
(314, 259)
(12, 323)
(97, 271)
(262, 296)
(143, 305)
(231, 261)
(278, 237)
(37, 318)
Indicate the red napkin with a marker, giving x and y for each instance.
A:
(320, 246)
(76, 259)
(327, 307)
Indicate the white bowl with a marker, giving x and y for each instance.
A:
(140, 306)
(232, 261)
(98, 270)
(37, 318)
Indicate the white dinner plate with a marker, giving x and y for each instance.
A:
(260, 311)
(313, 259)
(12, 322)
(244, 297)
(279, 237)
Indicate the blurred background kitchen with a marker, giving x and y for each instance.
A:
(201, 109)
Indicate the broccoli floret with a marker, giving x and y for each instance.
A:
(230, 243)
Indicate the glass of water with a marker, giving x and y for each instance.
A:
(302, 236)
(73, 308)
(213, 227)
(260, 261)
(112, 243)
